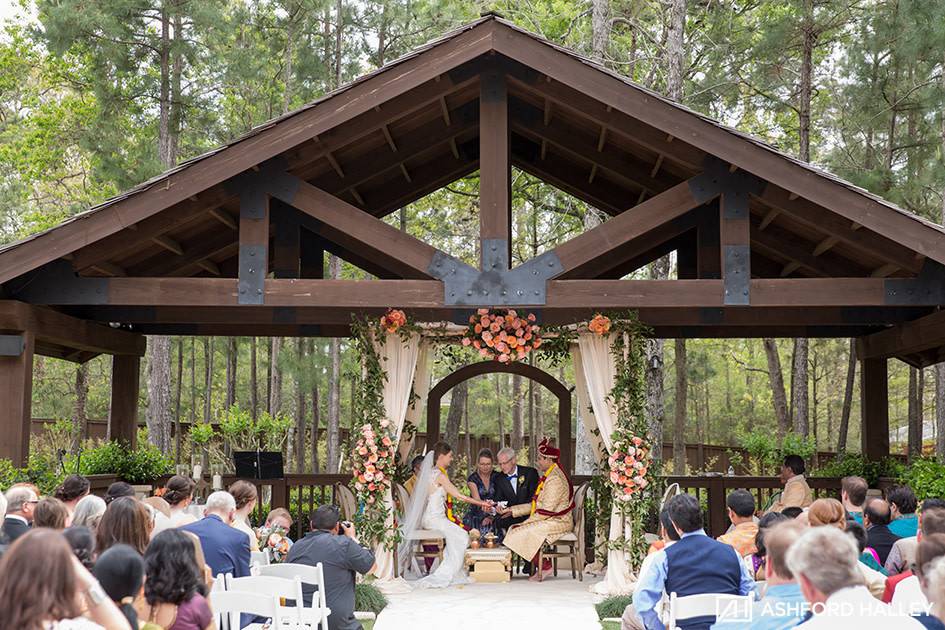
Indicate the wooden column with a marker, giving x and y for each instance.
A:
(708, 250)
(312, 255)
(123, 412)
(734, 238)
(254, 246)
(495, 192)
(16, 391)
(286, 242)
(874, 407)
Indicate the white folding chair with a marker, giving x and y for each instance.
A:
(706, 605)
(228, 605)
(279, 587)
(317, 614)
(258, 558)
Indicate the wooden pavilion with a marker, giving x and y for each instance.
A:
(233, 242)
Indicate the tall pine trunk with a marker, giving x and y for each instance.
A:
(253, 379)
(301, 394)
(232, 354)
(847, 400)
(275, 376)
(679, 425)
(776, 382)
(455, 416)
(518, 427)
(334, 387)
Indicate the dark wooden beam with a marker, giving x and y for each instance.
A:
(923, 335)
(495, 172)
(874, 407)
(199, 251)
(791, 246)
(50, 327)
(312, 255)
(708, 243)
(286, 244)
(123, 412)
(16, 391)
(254, 244)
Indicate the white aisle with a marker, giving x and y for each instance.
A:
(558, 604)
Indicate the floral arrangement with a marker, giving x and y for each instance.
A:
(372, 462)
(599, 325)
(629, 464)
(502, 335)
(274, 542)
(393, 320)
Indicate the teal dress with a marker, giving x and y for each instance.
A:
(905, 526)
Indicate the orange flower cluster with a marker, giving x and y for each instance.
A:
(502, 335)
(393, 319)
(372, 460)
(600, 325)
(628, 467)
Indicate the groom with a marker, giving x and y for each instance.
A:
(516, 485)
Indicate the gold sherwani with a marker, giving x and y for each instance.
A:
(526, 538)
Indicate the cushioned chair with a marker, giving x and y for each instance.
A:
(573, 541)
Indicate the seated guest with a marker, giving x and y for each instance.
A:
(741, 512)
(43, 587)
(281, 518)
(824, 561)
(21, 501)
(830, 513)
(174, 592)
(791, 512)
(72, 489)
(782, 605)
(867, 555)
(51, 513)
(120, 571)
(853, 495)
(481, 485)
(126, 521)
(118, 490)
(796, 492)
(696, 564)
(244, 493)
(88, 511)
(415, 467)
(934, 576)
(902, 555)
(875, 579)
(756, 561)
(931, 521)
(225, 549)
(910, 595)
(179, 493)
(160, 514)
(341, 557)
(903, 504)
(876, 519)
(668, 536)
(82, 541)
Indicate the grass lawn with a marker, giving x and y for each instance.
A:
(369, 625)
(610, 625)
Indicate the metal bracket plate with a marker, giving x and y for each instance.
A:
(251, 280)
(496, 286)
(928, 288)
(57, 283)
(736, 276)
(12, 345)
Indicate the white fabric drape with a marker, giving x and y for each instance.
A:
(588, 419)
(399, 362)
(598, 372)
(421, 387)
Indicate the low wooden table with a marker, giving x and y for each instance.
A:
(490, 565)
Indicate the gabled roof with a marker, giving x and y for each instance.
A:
(808, 222)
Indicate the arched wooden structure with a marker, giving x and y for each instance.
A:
(538, 375)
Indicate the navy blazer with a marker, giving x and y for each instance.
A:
(13, 528)
(225, 548)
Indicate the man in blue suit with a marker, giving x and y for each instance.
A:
(225, 548)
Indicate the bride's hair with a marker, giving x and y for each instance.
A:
(440, 449)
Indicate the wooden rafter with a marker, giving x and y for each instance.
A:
(495, 171)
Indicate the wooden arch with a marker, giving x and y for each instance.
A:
(538, 375)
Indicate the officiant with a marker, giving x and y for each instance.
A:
(548, 513)
(515, 485)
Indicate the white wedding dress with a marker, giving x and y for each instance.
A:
(451, 570)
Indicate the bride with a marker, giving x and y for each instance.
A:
(427, 510)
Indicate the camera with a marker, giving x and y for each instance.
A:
(343, 526)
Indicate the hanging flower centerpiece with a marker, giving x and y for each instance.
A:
(599, 325)
(393, 319)
(502, 335)
(629, 465)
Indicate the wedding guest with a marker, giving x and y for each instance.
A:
(902, 555)
(82, 541)
(824, 561)
(174, 592)
(88, 512)
(932, 524)
(796, 492)
(415, 467)
(125, 521)
(853, 495)
(281, 518)
(72, 489)
(342, 558)
(515, 485)
(668, 536)
(867, 556)
(51, 513)
(120, 571)
(911, 595)
(741, 512)
(782, 603)
(21, 502)
(225, 548)
(876, 518)
(935, 591)
(179, 494)
(160, 514)
(244, 493)
(902, 502)
(830, 513)
(118, 490)
(43, 587)
(791, 512)
(481, 485)
(756, 561)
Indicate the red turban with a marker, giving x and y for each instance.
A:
(547, 450)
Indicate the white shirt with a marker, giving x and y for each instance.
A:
(513, 479)
(644, 567)
(858, 609)
(19, 518)
(909, 598)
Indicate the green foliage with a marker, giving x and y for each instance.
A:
(926, 477)
(613, 606)
(139, 466)
(201, 434)
(267, 432)
(765, 452)
(38, 471)
(850, 464)
(369, 598)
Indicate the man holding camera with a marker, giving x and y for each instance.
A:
(336, 546)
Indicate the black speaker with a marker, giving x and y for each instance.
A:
(258, 464)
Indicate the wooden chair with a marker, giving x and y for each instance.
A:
(347, 502)
(573, 541)
(418, 538)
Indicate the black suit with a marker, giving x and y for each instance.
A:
(525, 491)
(13, 528)
(881, 539)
